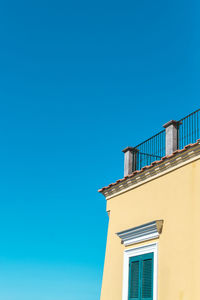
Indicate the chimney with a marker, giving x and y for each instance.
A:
(130, 156)
(171, 137)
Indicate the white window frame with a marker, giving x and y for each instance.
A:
(153, 247)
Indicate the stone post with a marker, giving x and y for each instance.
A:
(130, 156)
(171, 137)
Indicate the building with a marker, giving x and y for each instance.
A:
(153, 241)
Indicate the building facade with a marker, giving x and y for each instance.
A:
(153, 241)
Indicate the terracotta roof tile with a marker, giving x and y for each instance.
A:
(149, 166)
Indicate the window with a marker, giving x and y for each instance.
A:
(140, 273)
(141, 277)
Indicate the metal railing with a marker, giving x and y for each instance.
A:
(150, 150)
(189, 129)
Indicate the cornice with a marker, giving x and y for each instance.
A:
(141, 233)
(178, 159)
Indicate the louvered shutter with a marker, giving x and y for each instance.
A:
(147, 277)
(134, 278)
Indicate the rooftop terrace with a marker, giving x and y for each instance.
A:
(176, 135)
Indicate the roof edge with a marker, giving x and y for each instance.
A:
(153, 165)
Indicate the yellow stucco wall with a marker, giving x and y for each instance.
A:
(175, 198)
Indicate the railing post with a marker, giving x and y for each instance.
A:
(171, 137)
(130, 160)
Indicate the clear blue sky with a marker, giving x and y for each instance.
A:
(79, 81)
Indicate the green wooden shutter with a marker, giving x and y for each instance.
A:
(147, 277)
(141, 277)
(134, 278)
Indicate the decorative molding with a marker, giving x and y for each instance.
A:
(135, 252)
(165, 166)
(141, 233)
